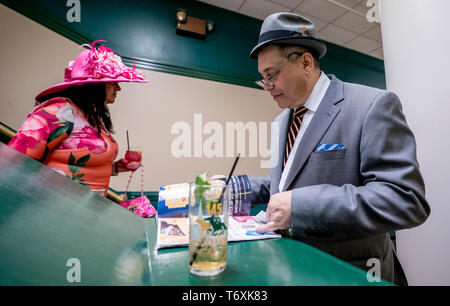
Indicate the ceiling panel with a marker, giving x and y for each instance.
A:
(318, 23)
(374, 33)
(321, 9)
(261, 8)
(341, 22)
(377, 53)
(349, 3)
(362, 7)
(354, 22)
(232, 5)
(288, 3)
(337, 35)
(363, 44)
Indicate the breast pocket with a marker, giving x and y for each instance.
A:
(328, 155)
(326, 167)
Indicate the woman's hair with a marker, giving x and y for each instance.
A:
(89, 98)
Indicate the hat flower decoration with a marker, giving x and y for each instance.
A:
(104, 63)
(95, 65)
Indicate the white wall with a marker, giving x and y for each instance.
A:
(416, 51)
(34, 57)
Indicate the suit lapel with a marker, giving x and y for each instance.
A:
(324, 116)
(283, 124)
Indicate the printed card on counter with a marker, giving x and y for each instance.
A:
(173, 199)
(174, 232)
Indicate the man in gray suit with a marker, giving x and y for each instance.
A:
(345, 173)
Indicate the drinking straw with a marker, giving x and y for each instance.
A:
(229, 176)
(232, 168)
(128, 142)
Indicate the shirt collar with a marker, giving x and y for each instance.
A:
(318, 92)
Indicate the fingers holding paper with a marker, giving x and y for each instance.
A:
(278, 212)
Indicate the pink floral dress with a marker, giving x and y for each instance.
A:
(57, 134)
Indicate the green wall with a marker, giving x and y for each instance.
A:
(143, 32)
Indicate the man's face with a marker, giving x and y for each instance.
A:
(290, 85)
(111, 90)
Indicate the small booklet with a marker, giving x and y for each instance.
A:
(174, 232)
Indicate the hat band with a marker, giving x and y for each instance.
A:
(278, 34)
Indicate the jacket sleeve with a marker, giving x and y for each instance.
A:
(260, 188)
(392, 192)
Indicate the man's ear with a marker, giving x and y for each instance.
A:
(307, 62)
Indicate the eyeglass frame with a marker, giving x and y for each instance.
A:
(268, 81)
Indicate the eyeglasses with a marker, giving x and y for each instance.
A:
(270, 79)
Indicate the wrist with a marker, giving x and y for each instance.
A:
(114, 169)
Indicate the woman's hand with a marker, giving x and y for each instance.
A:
(123, 165)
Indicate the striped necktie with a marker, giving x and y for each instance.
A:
(293, 131)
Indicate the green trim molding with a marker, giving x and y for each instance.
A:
(143, 33)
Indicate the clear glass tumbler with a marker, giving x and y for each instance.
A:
(208, 225)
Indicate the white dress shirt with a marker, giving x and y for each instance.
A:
(312, 104)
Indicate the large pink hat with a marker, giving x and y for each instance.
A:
(95, 66)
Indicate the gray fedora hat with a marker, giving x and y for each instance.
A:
(289, 29)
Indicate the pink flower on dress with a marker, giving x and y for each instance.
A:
(55, 106)
(33, 130)
(91, 140)
(88, 138)
(34, 122)
(22, 142)
(83, 135)
(89, 132)
(69, 143)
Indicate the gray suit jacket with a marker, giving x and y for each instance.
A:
(345, 202)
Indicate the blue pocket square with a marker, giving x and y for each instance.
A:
(321, 147)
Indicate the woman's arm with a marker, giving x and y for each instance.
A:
(44, 129)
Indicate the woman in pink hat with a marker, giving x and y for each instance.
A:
(70, 129)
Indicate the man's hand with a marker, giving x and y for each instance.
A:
(278, 212)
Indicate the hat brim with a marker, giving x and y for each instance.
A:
(61, 86)
(309, 42)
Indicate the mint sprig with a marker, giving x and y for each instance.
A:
(202, 185)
